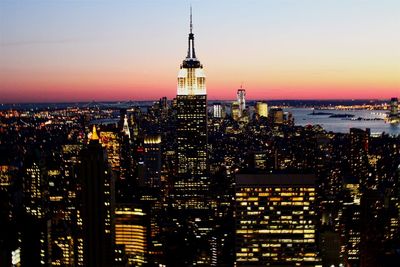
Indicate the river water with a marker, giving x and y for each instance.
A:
(303, 116)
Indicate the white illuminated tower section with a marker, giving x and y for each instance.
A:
(125, 127)
(241, 99)
(192, 183)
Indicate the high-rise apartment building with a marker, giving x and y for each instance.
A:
(359, 146)
(350, 227)
(276, 220)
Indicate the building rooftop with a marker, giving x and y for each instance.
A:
(275, 179)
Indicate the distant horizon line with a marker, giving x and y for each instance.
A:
(152, 100)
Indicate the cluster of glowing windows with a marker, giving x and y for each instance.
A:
(287, 221)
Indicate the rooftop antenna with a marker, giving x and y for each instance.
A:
(191, 25)
(191, 52)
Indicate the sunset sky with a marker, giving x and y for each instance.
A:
(82, 50)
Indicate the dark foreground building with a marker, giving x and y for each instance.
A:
(97, 205)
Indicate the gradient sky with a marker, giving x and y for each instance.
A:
(81, 50)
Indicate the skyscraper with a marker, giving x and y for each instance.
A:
(125, 127)
(192, 183)
(276, 220)
(359, 146)
(217, 110)
(97, 204)
(131, 232)
(393, 115)
(36, 239)
(262, 109)
(235, 111)
(152, 160)
(241, 99)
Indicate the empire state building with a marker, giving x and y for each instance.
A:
(192, 183)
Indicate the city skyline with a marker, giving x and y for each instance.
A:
(120, 51)
(188, 181)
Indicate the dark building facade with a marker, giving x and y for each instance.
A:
(97, 205)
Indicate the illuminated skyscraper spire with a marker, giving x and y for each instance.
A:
(125, 128)
(94, 136)
(191, 53)
(191, 24)
(191, 77)
(192, 183)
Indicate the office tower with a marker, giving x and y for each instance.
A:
(372, 221)
(163, 103)
(217, 110)
(359, 145)
(110, 141)
(241, 99)
(36, 239)
(97, 191)
(350, 226)
(192, 182)
(276, 220)
(394, 104)
(262, 109)
(65, 225)
(132, 232)
(152, 160)
(125, 182)
(125, 127)
(61, 211)
(235, 111)
(276, 116)
(6, 215)
(394, 116)
(259, 160)
(6, 172)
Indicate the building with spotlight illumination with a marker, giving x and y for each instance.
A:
(262, 109)
(276, 220)
(217, 111)
(235, 110)
(111, 142)
(394, 116)
(132, 232)
(192, 183)
(152, 160)
(241, 99)
(276, 116)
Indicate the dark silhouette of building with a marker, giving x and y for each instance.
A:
(97, 205)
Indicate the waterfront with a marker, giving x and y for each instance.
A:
(303, 116)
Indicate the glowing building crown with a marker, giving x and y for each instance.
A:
(191, 77)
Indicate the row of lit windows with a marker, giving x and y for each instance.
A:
(288, 191)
